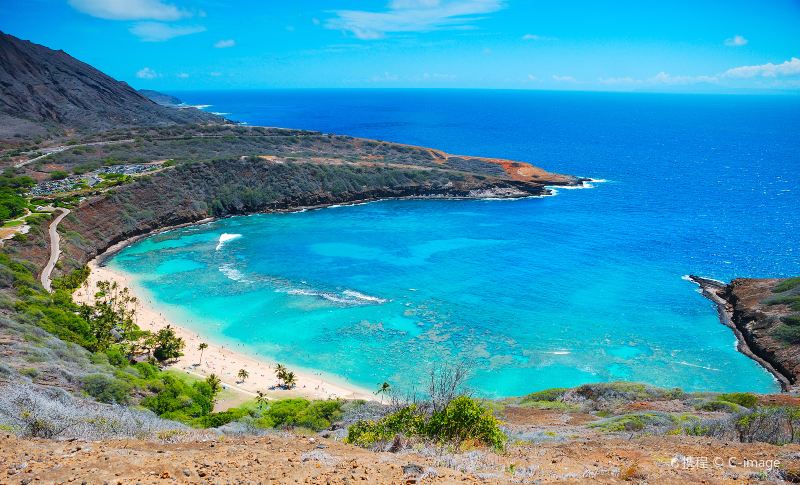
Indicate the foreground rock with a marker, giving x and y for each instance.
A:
(282, 458)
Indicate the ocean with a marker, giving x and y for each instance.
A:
(585, 286)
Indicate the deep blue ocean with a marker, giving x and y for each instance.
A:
(546, 292)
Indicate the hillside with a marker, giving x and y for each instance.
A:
(50, 91)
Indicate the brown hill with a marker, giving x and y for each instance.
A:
(46, 90)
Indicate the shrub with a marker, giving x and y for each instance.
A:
(786, 285)
(314, 415)
(466, 419)
(634, 422)
(106, 389)
(215, 420)
(463, 419)
(116, 357)
(744, 399)
(551, 395)
(720, 405)
(788, 333)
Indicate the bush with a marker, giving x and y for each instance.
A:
(215, 420)
(314, 415)
(788, 333)
(786, 285)
(744, 399)
(462, 420)
(116, 357)
(634, 422)
(720, 405)
(106, 389)
(550, 395)
(465, 419)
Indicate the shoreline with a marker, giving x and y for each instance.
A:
(708, 289)
(224, 362)
(218, 358)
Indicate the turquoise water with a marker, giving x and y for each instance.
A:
(379, 291)
(585, 286)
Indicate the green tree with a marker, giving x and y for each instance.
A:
(202, 347)
(214, 383)
(289, 380)
(167, 345)
(383, 389)
(243, 375)
(280, 373)
(261, 399)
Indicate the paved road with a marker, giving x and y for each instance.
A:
(55, 250)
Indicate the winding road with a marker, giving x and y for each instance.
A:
(55, 250)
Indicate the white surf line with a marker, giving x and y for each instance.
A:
(55, 250)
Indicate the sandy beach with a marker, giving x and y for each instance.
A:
(217, 359)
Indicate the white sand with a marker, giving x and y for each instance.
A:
(217, 359)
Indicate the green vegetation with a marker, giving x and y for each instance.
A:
(463, 420)
(548, 395)
(12, 195)
(786, 285)
(744, 399)
(58, 175)
(793, 301)
(313, 415)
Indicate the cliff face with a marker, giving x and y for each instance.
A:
(192, 192)
(760, 317)
(43, 88)
(762, 312)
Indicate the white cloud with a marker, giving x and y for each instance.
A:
(786, 68)
(224, 43)
(413, 16)
(385, 77)
(536, 37)
(158, 32)
(129, 9)
(736, 41)
(183, 75)
(564, 79)
(146, 73)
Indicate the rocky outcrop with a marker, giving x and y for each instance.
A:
(752, 308)
(47, 89)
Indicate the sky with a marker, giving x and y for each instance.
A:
(725, 46)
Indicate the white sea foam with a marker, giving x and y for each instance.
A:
(225, 237)
(361, 296)
(560, 352)
(346, 297)
(698, 366)
(233, 274)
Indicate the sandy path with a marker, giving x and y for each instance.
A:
(217, 359)
(55, 250)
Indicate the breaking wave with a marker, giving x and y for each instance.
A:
(225, 238)
(346, 297)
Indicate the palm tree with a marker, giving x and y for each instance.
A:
(383, 389)
(280, 373)
(261, 399)
(243, 375)
(214, 383)
(203, 346)
(289, 380)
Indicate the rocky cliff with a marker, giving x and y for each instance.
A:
(764, 314)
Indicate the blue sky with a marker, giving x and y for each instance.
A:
(684, 46)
